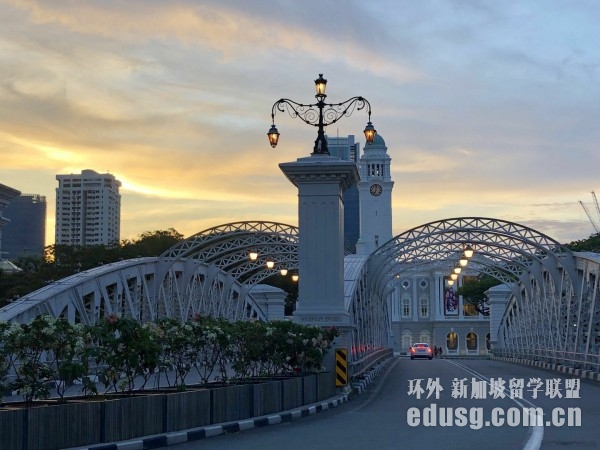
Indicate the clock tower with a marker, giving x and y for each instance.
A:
(375, 193)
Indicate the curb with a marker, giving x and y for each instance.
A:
(584, 374)
(194, 434)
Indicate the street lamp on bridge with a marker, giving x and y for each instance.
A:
(320, 115)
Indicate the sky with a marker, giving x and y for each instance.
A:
(488, 109)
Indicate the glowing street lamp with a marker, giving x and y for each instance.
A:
(469, 251)
(320, 115)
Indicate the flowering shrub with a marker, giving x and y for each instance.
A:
(29, 344)
(67, 357)
(278, 348)
(307, 346)
(212, 341)
(8, 334)
(249, 348)
(178, 349)
(125, 352)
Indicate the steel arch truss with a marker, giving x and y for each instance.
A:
(226, 247)
(210, 273)
(566, 316)
(207, 274)
(547, 291)
(370, 320)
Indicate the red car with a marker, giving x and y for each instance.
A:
(421, 350)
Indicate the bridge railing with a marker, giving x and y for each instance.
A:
(359, 367)
(576, 360)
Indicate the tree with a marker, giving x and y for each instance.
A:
(591, 244)
(473, 292)
(125, 350)
(31, 371)
(60, 261)
(152, 243)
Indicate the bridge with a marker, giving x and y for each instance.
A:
(547, 308)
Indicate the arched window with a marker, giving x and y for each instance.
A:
(452, 341)
(471, 341)
(425, 336)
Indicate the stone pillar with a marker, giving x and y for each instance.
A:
(498, 298)
(321, 180)
(270, 299)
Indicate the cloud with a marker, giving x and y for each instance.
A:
(487, 108)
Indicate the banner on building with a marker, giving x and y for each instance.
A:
(450, 299)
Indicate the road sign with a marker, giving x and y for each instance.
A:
(341, 367)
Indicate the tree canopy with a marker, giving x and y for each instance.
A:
(591, 244)
(473, 292)
(60, 261)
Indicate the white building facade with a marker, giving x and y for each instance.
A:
(425, 309)
(88, 209)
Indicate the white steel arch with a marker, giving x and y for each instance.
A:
(554, 311)
(208, 274)
(555, 303)
(501, 244)
(557, 323)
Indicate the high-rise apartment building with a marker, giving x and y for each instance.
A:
(7, 194)
(346, 149)
(25, 234)
(88, 209)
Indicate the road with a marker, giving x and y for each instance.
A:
(379, 418)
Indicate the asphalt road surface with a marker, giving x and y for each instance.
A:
(387, 416)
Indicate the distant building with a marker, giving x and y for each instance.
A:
(7, 194)
(25, 234)
(375, 188)
(346, 149)
(88, 209)
(424, 308)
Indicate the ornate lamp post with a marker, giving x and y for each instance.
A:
(320, 115)
(321, 181)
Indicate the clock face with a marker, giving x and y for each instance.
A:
(375, 189)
